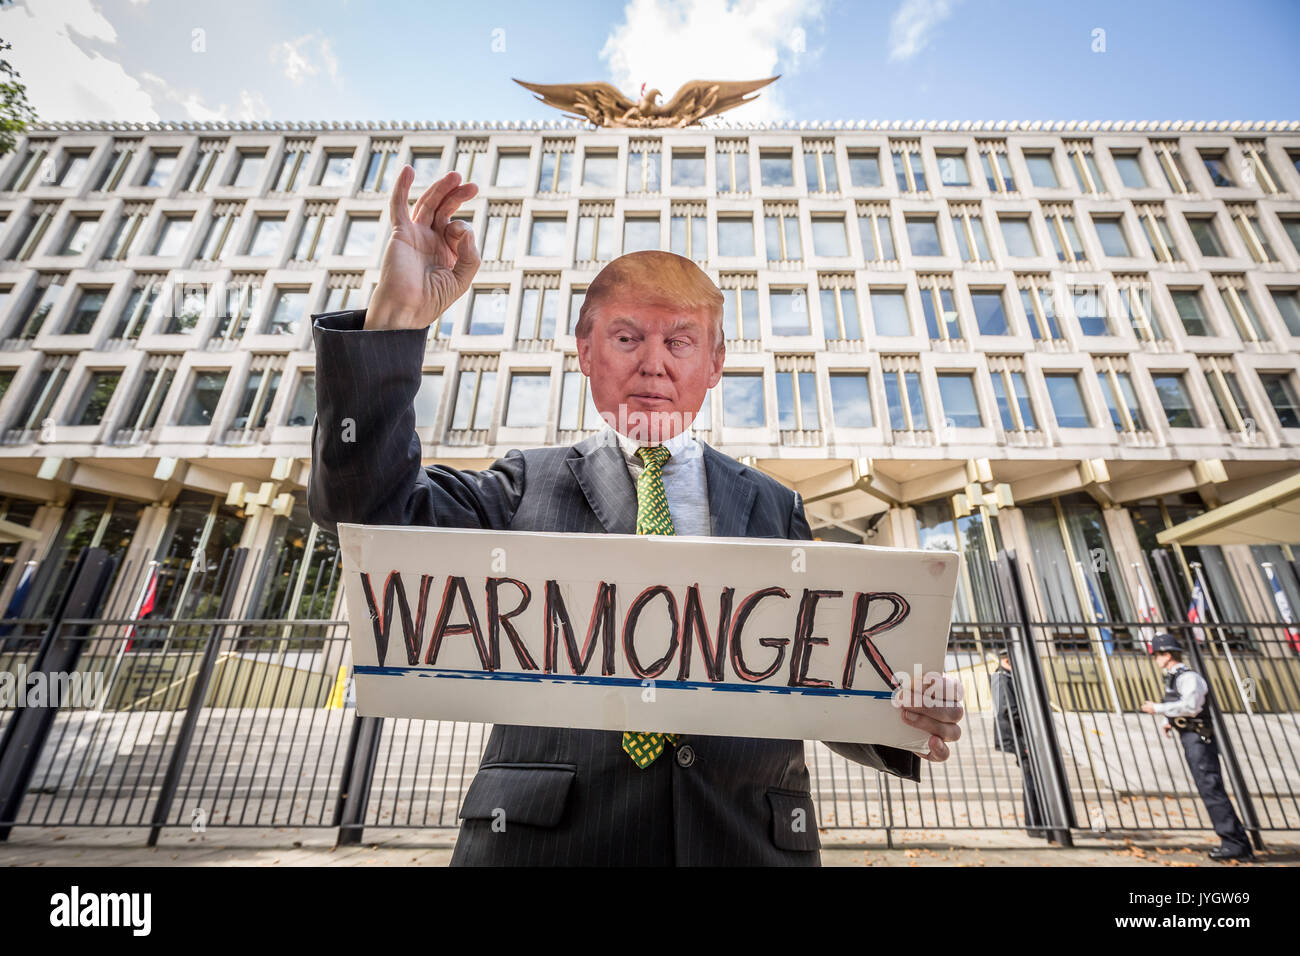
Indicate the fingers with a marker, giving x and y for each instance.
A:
(939, 751)
(400, 198)
(921, 720)
(450, 203)
(467, 258)
(436, 195)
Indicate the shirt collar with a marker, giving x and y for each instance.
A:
(680, 446)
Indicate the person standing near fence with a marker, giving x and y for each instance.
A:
(1184, 707)
(1009, 737)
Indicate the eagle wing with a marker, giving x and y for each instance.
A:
(701, 98)
(588, 101)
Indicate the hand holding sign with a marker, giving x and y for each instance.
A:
(934, 707)
(429, 260)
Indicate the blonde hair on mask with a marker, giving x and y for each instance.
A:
(659, 278)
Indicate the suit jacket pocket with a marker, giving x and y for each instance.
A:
(534, 794)
(794, 820)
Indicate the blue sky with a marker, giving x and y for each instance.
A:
(151, 60)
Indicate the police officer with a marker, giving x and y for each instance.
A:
(1009, 737)
(1184, 706)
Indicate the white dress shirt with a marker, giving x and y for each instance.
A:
(685, 483)
(1193, 689)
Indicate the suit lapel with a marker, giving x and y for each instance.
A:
(601, 472)
(731, 493)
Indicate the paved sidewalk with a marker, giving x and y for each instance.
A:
(68, 846)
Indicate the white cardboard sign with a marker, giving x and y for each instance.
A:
(750, 637)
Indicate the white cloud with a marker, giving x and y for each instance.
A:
(251, 105)
(913, 24)
(65, 80)
(305, 57)
(665, 43)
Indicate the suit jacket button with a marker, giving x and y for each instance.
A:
(685, 755)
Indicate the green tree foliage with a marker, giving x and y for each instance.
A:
(15, 111)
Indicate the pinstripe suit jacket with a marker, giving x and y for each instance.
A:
(567, 796)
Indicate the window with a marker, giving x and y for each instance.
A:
(487, 314)
(381, 169)
(1085, 167)
(1292, 228)
(33, 161)
(427, 163)
(742, 400)
(1206, 235)
(1257, 170)
(303, 409)
(740, 313)
(952, 167)
(316, 219)
(889, 310)
(501, 238)
(111, 177)
(829, 236)
(1121, 400)
(1018, 236)
(1282, 396)
(775, 167)
(89, 407)
(972, 241)
(796, 400)
(147, 401)
(1090, 307)
(735, 235)
(1110, 231)
(781, 230)
(850, 399)
(1175, 400)
(126, 231)
(643, 161)
(267, 233)
(426, 402)
(1171, 165)
(909, 173)
(577, 410)
(73, 169)
(42, 298)
(923, 235)
(201, 400)
(1216, 164)
(1065, 237)
(89, 304)
(1287, 302)
(1067, 400)
(361, 235)
(187, 313)
(160, 169)
(289, 176)
(864, 168)
(219, 229)
(990, 312)
(547, 236)
(596, 234)
(336, 173)
(248, 168)
(1231, 403)
(527, 401)
(789, 311)
(1159, 238)
(1040, 310)
(1191, 311)
(1135, 298)
(878, 235)
(686, 231)
(136, 312)
(475, 399)
(1129, 166)
(344, 292)
(997, 171)
(470, 157)
(732, 166)
(839, 305)
(819, 168)
(34, 227)
(688, 167)
(957, 395)
(1251, 234)
(287, 312)
(600, 170)
(640, 232)
(539, 311)
(1017, 413)
(43, 393)
(80, 231)
(906, 403)
(1236, 299)
(233, 321)
(940, 311)
(1042, 170)
(172, 234)
(255, 401)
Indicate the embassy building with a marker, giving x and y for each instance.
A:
(1059, 338)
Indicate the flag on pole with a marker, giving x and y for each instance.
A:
(1283, 606)
(1146, 613)
(146, 604)
(1196, 611)
(1107, 636)
(19, 597)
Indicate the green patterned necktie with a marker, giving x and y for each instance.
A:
(652, 517)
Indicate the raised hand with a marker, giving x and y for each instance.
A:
(429, 260)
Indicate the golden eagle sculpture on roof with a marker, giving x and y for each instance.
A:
(603, 105)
